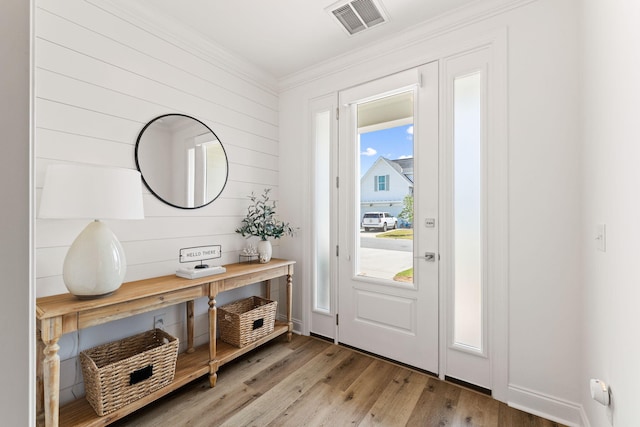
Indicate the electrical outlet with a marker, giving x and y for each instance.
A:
(158, 321)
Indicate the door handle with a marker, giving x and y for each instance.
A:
(430, 256)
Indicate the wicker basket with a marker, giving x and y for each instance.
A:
(124, 371)
(247, 320)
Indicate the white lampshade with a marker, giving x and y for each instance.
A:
(95, 264)
(75, 191)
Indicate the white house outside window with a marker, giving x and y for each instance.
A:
(381, 183)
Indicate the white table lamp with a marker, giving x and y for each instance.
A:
(95, 264)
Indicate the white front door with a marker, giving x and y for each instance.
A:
(388, 163)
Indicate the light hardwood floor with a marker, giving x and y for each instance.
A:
(310, 382)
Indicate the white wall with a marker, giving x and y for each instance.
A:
(611, 91)
(544, 181)
(545, 190)
(16, 303)
(101, 75)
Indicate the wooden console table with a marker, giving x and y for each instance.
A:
(61, 314)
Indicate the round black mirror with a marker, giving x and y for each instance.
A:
(182, 162)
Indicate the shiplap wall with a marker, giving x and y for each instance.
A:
(100, 77)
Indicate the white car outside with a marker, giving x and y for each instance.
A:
(379, 221)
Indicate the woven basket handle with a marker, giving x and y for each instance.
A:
(140, 375)
(258, 323)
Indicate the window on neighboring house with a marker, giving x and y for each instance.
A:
(381, 183)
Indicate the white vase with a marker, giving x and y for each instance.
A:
(264, 251)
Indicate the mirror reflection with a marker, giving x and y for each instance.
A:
(182, 162)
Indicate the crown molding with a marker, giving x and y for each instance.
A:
(189, 40)
(459, 18)
(194, 42)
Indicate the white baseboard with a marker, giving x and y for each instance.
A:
(297, 323)
(585, 419)
(549, 407)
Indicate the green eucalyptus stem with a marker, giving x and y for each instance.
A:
(260, 220)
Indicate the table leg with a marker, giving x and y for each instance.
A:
(289, 303)
(190, 326)
(213, 321)
(50, 332)
(39, 379)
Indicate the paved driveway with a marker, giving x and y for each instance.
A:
(384, 258)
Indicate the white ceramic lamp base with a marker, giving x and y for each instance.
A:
(95, 265)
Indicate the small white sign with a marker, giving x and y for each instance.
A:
(430, 222)
(200, 253)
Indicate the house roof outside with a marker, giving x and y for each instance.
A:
(404, 166)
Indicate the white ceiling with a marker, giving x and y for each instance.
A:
(283, 37)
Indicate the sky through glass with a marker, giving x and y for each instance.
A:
(393, 143)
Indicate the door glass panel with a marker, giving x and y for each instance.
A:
(322, 211)
(385, 169)
(467, 212)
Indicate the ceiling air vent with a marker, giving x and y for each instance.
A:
(358, 15)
